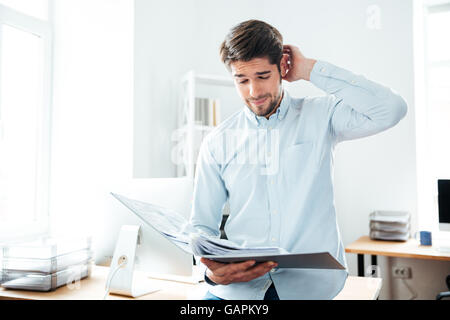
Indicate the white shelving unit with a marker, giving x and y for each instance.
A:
(188, 131)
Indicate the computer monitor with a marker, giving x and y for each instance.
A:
(156, 256)
(444, 204)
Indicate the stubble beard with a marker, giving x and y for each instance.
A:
(272, 105)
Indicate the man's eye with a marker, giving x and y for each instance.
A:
(246, 80)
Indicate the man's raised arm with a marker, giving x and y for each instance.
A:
(359, 107)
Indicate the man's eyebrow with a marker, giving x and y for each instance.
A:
(257, 73)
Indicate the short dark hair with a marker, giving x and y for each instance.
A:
(252, 39)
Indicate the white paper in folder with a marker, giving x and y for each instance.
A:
(177, 229)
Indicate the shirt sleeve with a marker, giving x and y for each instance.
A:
(359, 107)
(210, 194)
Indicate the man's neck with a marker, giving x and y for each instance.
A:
(278, 105)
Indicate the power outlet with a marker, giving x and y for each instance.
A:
(401, 272)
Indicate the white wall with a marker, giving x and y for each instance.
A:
(164, 51)
(374, 173)
(92, 108)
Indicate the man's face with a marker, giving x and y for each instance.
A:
(258, 83)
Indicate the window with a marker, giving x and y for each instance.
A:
(438, 89)
(25, 64)
(432, 106)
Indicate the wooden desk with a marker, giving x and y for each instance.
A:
(408, 249)
(92, 288)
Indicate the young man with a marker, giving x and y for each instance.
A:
(285, 200)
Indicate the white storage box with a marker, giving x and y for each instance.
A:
(46, 266)
(389, 236)
(45, 255)
(46, 247)
(389, 225)
(44, 282)
(399, 217)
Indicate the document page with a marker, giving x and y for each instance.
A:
(203, 246)
(177, 228)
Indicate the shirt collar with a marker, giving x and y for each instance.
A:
(280, 113)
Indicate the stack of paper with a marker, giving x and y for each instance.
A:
(203, 245)
(389, 225)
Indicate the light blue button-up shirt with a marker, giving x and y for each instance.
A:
(277, 176)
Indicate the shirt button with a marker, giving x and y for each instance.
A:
(353, 81)
(273, 239)
(273, 270)
(274, 211)
(322, 69)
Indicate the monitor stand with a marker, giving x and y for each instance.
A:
(121, 278)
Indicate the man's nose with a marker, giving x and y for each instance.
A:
(255, 91)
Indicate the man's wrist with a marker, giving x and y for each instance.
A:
(308, 66)
(208, 280)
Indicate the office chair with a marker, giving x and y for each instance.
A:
(445, 294)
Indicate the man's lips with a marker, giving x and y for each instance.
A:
(259, 102)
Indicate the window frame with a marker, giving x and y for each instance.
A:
(43, 29)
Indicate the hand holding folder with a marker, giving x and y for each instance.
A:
(225, 251)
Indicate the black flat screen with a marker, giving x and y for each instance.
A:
(444, 201)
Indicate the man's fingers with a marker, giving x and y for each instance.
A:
(254, 272)
(240, 266)
(236, 272)
(227, 268)
(212, 265)
(263, 268)
(232, 268)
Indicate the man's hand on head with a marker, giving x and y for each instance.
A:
(299, 67)
(226, 273)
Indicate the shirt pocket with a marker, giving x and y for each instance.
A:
(297, 162)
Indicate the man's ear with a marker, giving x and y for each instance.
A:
(284, 65)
